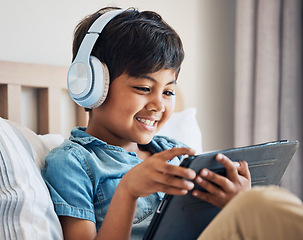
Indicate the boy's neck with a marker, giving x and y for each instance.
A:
(127, 146)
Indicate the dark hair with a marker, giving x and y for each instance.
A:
(136, 43)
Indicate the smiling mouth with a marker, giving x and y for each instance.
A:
(147, 122)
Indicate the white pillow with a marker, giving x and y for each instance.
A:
(184, 127)
(38, 145)
(51, 140)
(26, 208)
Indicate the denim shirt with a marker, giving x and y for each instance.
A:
(83, 173)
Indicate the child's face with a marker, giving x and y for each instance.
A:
(135, 108)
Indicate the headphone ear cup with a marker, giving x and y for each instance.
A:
(100, 82)
(87, 78)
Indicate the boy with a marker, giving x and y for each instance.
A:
(107, 180)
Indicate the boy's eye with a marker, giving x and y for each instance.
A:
(143, 89)
(169, 93)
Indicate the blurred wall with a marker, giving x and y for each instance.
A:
(38, 31)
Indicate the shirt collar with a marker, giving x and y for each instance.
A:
(79, 135)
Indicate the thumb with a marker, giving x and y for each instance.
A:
(243, 170)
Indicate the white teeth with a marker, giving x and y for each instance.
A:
(146, 121)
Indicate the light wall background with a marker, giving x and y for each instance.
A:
(39, 31)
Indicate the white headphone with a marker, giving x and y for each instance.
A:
(88, 78)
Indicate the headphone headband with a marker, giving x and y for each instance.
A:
(93, 33)
(101, 22)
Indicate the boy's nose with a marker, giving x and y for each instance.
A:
(155, 106)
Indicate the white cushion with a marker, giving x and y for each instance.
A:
(184, 127)
(26, 208)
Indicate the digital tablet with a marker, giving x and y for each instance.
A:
(185, 217)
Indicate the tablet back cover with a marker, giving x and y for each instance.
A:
(185, 217)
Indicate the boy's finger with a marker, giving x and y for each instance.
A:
(166, 168)
(213, 178)
(171, 153)
(169, 169)
(230, 166)
(175, 182)
(208, 198)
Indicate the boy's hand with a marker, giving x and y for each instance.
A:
(154, 174)
(237, 179)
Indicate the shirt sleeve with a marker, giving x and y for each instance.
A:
(69, 183)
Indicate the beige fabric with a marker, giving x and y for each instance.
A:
(270, 213)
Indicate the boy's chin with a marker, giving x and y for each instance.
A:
(145, 141)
